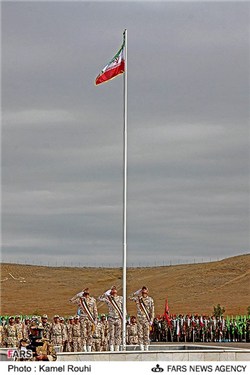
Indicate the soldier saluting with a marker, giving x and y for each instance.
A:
(114, 303)
(145, 315)
(88, 316)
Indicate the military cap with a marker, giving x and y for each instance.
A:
(18, 316)
(37, 325)
(76, 317)
(56, 316)
(45, 316)
(61, 318)
(71, 317)
(11, 317)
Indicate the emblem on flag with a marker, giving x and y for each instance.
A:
(115, 67)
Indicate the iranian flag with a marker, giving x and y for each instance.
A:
(115, 67)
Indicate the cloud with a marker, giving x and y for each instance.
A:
(188, 133)
(37, 117)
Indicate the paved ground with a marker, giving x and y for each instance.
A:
(242, 345)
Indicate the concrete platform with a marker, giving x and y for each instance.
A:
(174, 352)
(160, 352)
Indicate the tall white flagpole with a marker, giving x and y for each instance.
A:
(125, 149)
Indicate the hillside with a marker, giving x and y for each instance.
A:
(191, 288)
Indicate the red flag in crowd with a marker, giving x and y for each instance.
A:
(166, 312)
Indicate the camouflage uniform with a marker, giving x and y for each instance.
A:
(114, 319)
(46, 326)
(98, 337)
(42, 348)
(164, 327)
(1, 336)
(10, 334)
(69, 326)
(144, 318)
(57, 333)
(47, 349)
(105, 335)
(65, 334)
(76, 335)
(88, 317)
(132, 332)
(26, 328)
(19, 327)
(212, 328)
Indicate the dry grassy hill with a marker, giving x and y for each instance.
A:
(192, 288)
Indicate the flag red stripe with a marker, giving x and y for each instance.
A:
(111, 73)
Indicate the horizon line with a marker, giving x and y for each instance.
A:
(116, 266)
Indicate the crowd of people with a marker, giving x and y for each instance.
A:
(200, 328)
(87, 331)
(90, 331)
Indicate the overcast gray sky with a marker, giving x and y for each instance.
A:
(188, 132)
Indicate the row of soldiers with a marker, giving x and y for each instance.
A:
(86, 331)
(88, 316)
(200, 328)
(68, 335)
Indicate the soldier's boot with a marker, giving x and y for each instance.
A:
(111, 348)
(146, 347)
(141, 347)
(116, 348)
(89, 348)
(84, 349)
